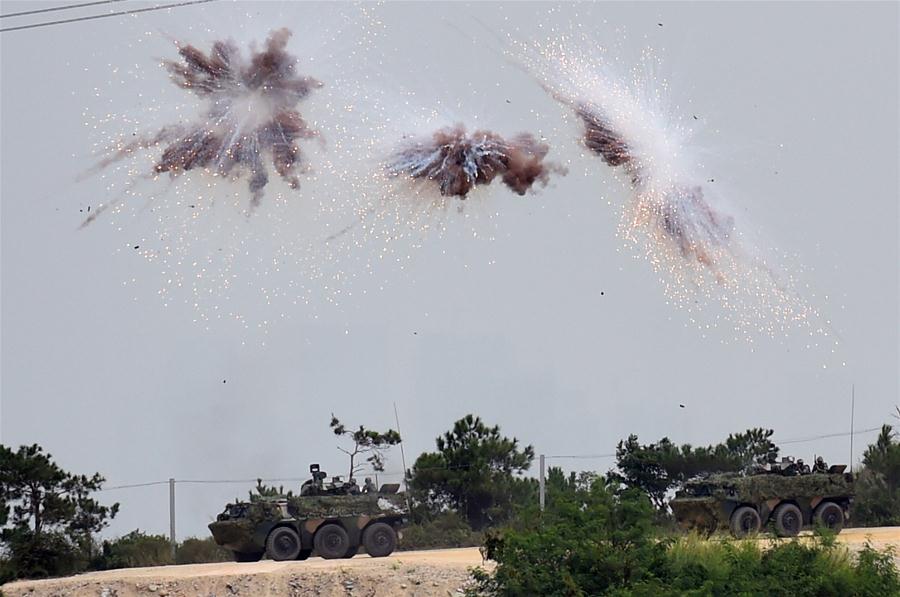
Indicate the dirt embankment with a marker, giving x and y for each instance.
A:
(439, 573)
(443, 573)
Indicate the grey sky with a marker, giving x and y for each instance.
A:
(799, 125)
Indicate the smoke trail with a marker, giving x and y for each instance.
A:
(249, 116)
(669, 216)
(673, 210)
(456, 162)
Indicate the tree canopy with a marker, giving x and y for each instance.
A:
(473, 472)
(366, 442)
(48, 514)
(660, 467)
(878, 486)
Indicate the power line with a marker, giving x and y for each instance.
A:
(133, 485)
(67, 7)
(235, 481)
(779, 443)
(827, 435)
(443, 468)
(582, 456)
(103, 16)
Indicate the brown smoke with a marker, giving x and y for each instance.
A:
(601, 139)
(457, 161)
(250, 114)
(224, 77)
(681, 212)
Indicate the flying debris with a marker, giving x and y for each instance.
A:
(249, 116)
(456, 161)
(676, 209)
(670, 215)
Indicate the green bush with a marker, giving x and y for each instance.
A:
(39, 556)
(600, 540)
(136, 549)
(446, 530)
(201, 551)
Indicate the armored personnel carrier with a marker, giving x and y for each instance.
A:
(330, 519)
(785, 497)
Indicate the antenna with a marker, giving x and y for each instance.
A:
(852, 410)
(402, 455)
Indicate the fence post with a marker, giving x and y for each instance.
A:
(172, 516)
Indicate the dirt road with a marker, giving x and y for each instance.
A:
(422, 573)
(442, 573)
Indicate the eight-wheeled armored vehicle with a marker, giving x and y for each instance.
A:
(331, 519)
(785, 499)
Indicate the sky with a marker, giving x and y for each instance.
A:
(528, 311)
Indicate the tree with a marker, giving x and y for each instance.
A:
(267, 491)
(48, 514)
(472, 472)
(660, 467)
(877, 500)
(365, 442)
(600, 539)
(595, 537)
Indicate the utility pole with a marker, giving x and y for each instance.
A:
(172, 516)
(852, 411)
(542, 483)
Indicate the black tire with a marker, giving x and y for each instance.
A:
(240, 556)
(351, 551)
(788, 520)
(830, 516)
(745, 522)
(283, 543)
(332, 541)
(379, 539)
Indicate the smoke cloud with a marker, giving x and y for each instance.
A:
(456, 161)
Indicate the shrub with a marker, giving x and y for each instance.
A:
(136, 549)
(446, 530)
(201, 551)
(601, 541)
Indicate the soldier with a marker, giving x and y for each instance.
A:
(369, 486)
(314, 486)
(820, 466)
(802, 469)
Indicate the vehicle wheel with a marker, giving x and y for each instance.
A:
(379, 539)
(830, 516)
(788, 520)
(745, 522)
(283, 544)
(351, 551)
(332, 542)
(240, 556)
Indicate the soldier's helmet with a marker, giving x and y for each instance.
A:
(820, 460)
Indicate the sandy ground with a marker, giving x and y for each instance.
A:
(421, 573)
(442, 573)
